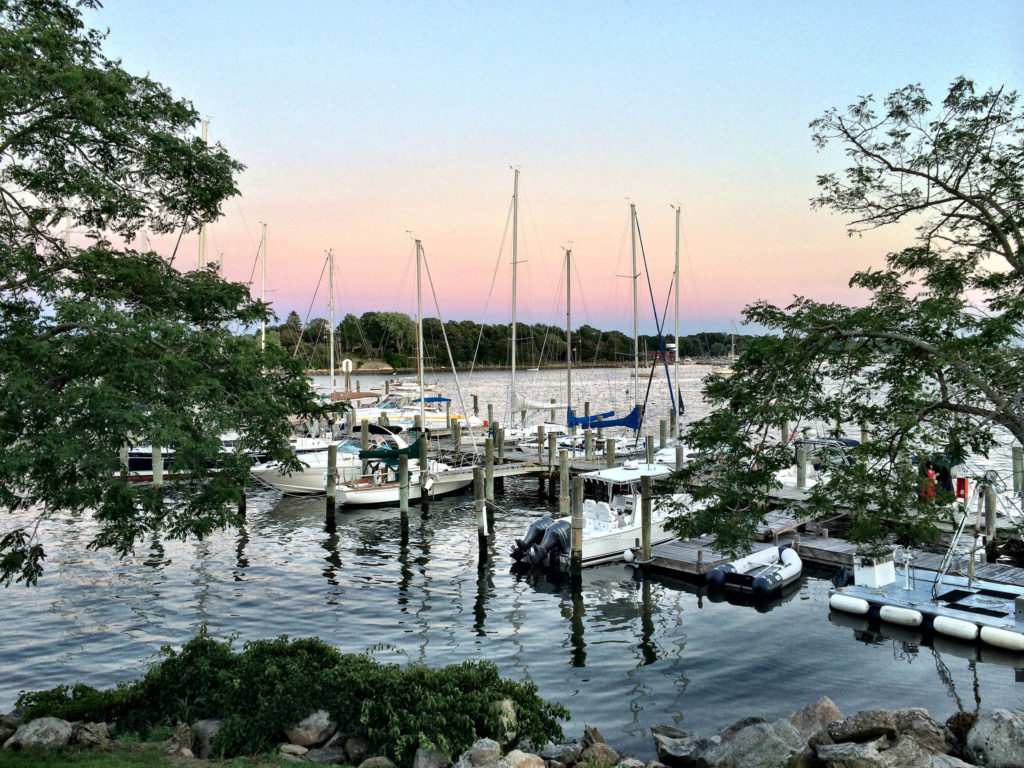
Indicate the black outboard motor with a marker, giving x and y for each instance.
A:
(534, 535)
(556, 542)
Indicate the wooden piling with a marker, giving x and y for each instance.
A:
(476, 406)
(457, 435)
(588, 444)
(662, 434)
(1018, 468)
(123, 456)
(609, 452)
(158, 467)
(679, 456)
(552, 412)
(489, 467)
(364, 440)
(650, 451)
(990, 511)
(448, 414)
(490, 414)
(421, 443)
(481, 513)
(403, 486)
(645, 518)
(576, 526)
(865, 434)
(563, 483)
(552, 452)
(801, 466)
(332, 477)
(784, 433)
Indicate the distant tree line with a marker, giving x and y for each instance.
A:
(391, 337)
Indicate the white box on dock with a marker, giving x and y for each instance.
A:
(874, 571)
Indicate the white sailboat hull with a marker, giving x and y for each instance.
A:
(375, 494)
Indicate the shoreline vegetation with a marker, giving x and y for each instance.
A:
(378, 367)
(283, 701)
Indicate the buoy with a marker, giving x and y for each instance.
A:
(1002, 638)
(896, 615)
(847, 604)
(628, 555)
(958, 628)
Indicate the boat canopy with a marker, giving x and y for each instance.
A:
(632, 420)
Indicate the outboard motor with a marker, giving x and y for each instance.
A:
(556, 542)
(534, 535)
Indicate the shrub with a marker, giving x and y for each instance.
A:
(272, 684)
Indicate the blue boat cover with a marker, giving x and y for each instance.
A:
(433, 399)
(632, 420)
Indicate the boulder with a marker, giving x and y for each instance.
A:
(312, 730)
(600, 755)
(357, 748)
(484, 752)
(431, 758)
(916, 723)
(591, 735)
(328, 756)
(566, 754)
(93, 735)
(996, 740)
(815, 717)
(630, 762)
(760, 745)
(519, 759)
(865, 726)
(684, 750)
(904, 752)
(205, 731)
(41, 735)
(288, 748)
(378, 761)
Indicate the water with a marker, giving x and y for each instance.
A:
(621, 654)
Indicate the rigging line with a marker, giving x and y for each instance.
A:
(309, 311)
(494, 277)
(447, 346)
(657, 324)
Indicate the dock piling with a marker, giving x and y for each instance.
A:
(645, 518)
(609, 452)
(421, 444)
(1018, 468)
(662, 433)
(563, 483)
(489, 468)
(481, 513)
(332, 478)
(403, 486)
(588, 444)
(576, 526)
(158, 467)
(801, 466)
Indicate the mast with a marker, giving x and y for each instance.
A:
(419, 334)
(636, 332)
(263, 287)
(202, 226)
(330, 284)
(675, 364)
(568, 332)
(515, 260)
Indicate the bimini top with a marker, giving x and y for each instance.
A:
(630, 472)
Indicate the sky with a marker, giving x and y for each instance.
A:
(364, 125)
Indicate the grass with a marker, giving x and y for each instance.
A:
(121, 755)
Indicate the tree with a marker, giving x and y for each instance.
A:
(931, 364)
(103, 347)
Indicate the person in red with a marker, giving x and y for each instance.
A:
(928, 486)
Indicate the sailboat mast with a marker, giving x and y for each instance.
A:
(568, 332)
(419, 332)
(675, 363)
(515, 262)
(636, 329)
(330, 284)
(263, 284)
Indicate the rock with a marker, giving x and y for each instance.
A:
(484, 752)
(508, 723)
(287, 748)
(566, 754)
(591, 735)
(205, 731)
(357, 748)
(378, 761)
(431, 758)
(760, 745)
(328, 756)
(919, 725)
(684, 751)
(630, 762)
(41, 735)
(865, 726)
(182, 737)
(312, 730)
(996, 739)
(852, 754)
(90, 735)
(519, 759)
(600, 755)
(815, 717)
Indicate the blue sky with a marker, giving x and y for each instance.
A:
(361, 122)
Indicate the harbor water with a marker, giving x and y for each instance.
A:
(621, 652)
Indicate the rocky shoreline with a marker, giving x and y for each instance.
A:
(818, 736)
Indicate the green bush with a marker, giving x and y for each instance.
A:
(272, 684)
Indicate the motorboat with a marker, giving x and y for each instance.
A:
(612, 520)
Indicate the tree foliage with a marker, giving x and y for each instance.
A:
(931, 364)
(102, 346)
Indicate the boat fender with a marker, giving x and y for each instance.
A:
(895, 614)
(1002, 638)
(958, 628)
(848, 604)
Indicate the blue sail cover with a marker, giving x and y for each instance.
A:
(632, 420)
(433, 399)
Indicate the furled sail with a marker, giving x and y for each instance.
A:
(631, 420)
(520, 403)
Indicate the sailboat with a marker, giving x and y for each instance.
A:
(436, 478)
(727, 369)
